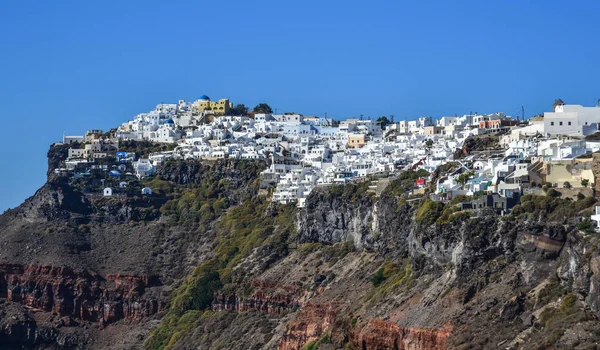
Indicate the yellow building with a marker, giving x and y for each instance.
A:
(572, 171)
(220, 107)
(356, 140)
(433, 130)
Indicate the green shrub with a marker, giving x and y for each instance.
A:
(314, 345)
(549, 208)
(429, 211)
(553, 193)
(587, 226)
(391, 276)
(461, 198)
(378, 277)
(202, 290)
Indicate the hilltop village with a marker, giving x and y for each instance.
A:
(497, 158)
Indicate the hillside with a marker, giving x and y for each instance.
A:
(208, 262)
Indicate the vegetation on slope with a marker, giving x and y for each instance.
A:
(406, 181)
(553, 209)
(240, 230)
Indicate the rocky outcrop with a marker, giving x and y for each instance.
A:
(79, 294)
(356, 216)
(18, 330)
(379, 334)
(476, 144)
(310, 325)
(269, 303)
(57, 154)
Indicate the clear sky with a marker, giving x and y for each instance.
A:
(77, 65)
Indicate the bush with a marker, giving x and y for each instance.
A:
(553, 193)
(429, 211)
(461, 198)
(587, 226)
(391, 276)
(567, 184)
(203, 289)
(378, 277)
(550, 208)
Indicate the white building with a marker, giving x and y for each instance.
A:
(596, 217)
(143, 168)
(572, 120)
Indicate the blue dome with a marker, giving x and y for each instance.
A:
(169, 121)
(204, 98)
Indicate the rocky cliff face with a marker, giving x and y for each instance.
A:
(207, 263)
(79, 270)
(79, 294)
(379, 334)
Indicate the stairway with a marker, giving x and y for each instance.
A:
(378, 186)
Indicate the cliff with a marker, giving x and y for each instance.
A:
(207, 263)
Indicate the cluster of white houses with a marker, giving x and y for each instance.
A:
(308, 151)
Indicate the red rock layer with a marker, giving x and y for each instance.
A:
(259, 301)
(310, 325)
(271, 298)
(379, 334)
(80, 294)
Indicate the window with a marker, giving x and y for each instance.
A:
(559, 123)
(569, 123)
(552, 123)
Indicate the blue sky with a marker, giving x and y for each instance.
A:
(77, 65)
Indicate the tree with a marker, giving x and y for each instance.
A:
(567, 184)
(239, 109)
(382, 122)
(262, 108)
(463, 178)
(585, 182)
(428, 143)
